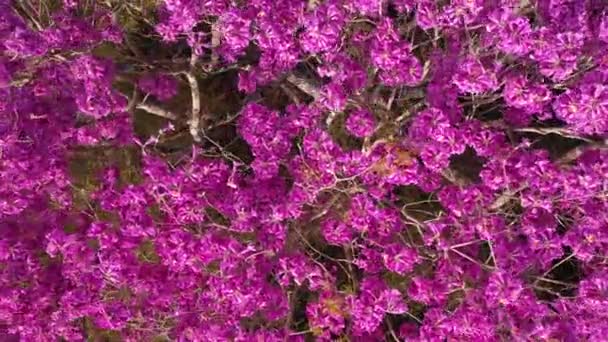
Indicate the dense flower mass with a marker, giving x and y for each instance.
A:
(332, 170)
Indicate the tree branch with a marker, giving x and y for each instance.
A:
(195, 119)
(156, 110)
(215, 43)
(304, 85)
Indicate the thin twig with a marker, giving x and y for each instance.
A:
(226, 121)
(558, 264)
(391, 330)
(389, 103)
(553, 130)
(326, 208)
(331, 117)
(485, 267)
(24, 7)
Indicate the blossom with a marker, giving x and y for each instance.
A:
(526, 96)
(584, 108)
(512, 33)
(393, 57)
(334, 97)
(399, 259)
(163, 87)
(473, 77)
(603, 34)
(235, 29)
(336, 232)
(327, 315)
(323, 28)
(447, 183)
(360, 123)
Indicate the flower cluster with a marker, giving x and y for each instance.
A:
(369, 170)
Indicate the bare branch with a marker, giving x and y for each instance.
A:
(304, 85)
(134, 103)
(156, 110)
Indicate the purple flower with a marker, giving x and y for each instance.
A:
(399, 259)
(512, 33)
(327, 315)
(525, 95)
(603, 29)
(503, 289)
(343, 69)
(334, 97)
(323, 28)
(235, 29)
(392, 56)
(584, 108)
(275, 217)
(370, 8)
(361, 123)
(336, 232)
(461, 12)
(163, 87)
(473, 77)
(557, 53)
(247, 81)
